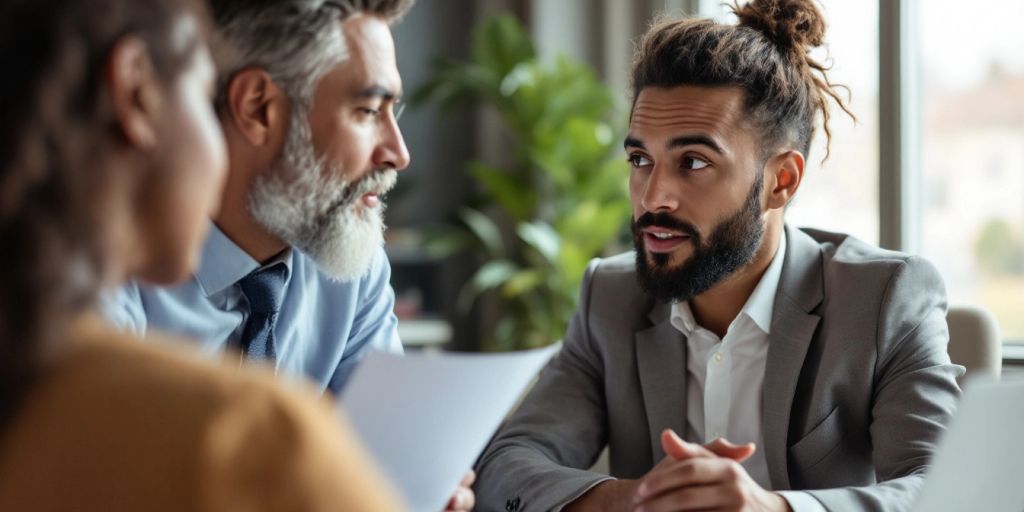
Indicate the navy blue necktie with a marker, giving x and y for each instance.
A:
(264, 289)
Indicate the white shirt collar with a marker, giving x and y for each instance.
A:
(759, 306)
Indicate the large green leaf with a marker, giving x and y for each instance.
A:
(522, 282)
(572, 90)
(510, 192)
(522, 75)
(458, 84)
(504, 337)
(555, 168)
(592, 225)
(491, 275)
(501, 43)
(609, 180)
(541, 237)
(485, 230)
(441, 243)
(573, 261)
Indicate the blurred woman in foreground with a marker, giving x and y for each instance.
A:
(111, 161)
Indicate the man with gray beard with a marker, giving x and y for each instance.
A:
(294, 273)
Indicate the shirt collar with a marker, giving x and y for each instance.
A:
(759, 306)
(223, 262)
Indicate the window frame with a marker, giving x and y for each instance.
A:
(900, 171)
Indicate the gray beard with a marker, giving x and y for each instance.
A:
(305, 203)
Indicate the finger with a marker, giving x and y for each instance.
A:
(698, 471)
(737, 452)
(463, 499)
(667, 461)
(700, 497)
(467, 500)
(678, 449)
(468, 479)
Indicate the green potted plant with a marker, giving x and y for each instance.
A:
(560, 201)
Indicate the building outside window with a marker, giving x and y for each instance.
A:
(971, 208)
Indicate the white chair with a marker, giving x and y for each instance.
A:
(974, 340)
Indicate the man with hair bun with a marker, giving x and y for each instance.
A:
(733, 362)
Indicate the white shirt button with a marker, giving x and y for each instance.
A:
(718, 357)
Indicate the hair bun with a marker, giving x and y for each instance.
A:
(794, 24)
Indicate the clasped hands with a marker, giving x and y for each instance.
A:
(463, 498)
(690, 477)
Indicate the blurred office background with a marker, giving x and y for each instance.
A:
(935, 165)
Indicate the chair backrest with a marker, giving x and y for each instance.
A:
(974, 340)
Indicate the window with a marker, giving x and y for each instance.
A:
(971, 104)
(841, 194)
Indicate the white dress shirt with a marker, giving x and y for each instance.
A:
(725, 377)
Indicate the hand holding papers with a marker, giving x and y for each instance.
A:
(426, 417)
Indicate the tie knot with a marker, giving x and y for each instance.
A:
(263, 288)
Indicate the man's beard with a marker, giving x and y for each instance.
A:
(305, 203)
(732, 244)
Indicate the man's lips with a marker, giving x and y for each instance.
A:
(661, 240)
(371, 199)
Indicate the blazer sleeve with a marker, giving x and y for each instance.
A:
(915, 391)
(532, 463)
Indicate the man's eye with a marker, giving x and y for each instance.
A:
(368, 111)
(638, 160)
(693, 163)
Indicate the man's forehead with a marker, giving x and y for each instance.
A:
(371, 32)
(370, 65)
(711, 109)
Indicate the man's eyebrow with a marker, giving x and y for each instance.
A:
(689, 140)
(685, 140)
(633, 142)
(377, 91)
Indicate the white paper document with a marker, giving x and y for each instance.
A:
(425, 417)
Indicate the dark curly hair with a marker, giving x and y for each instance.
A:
(56, 123)
(767, 55)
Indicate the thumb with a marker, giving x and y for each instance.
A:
(678, 449)
(736, 452)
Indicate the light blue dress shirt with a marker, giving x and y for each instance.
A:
(323, 330)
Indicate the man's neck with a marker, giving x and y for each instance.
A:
(716, 308)
(248, 159)
(235, 221)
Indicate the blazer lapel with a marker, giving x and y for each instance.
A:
(800, 291)
(661, 363)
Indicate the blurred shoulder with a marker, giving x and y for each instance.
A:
(251, 442)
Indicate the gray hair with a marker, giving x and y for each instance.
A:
(295, 41)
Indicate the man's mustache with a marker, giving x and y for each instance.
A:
(378, 181)
(666, 221)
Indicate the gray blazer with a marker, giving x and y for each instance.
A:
(858, 385)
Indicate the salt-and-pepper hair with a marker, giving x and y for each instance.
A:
(295, 41)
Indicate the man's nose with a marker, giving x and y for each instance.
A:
(392, 151)
(658, 193)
